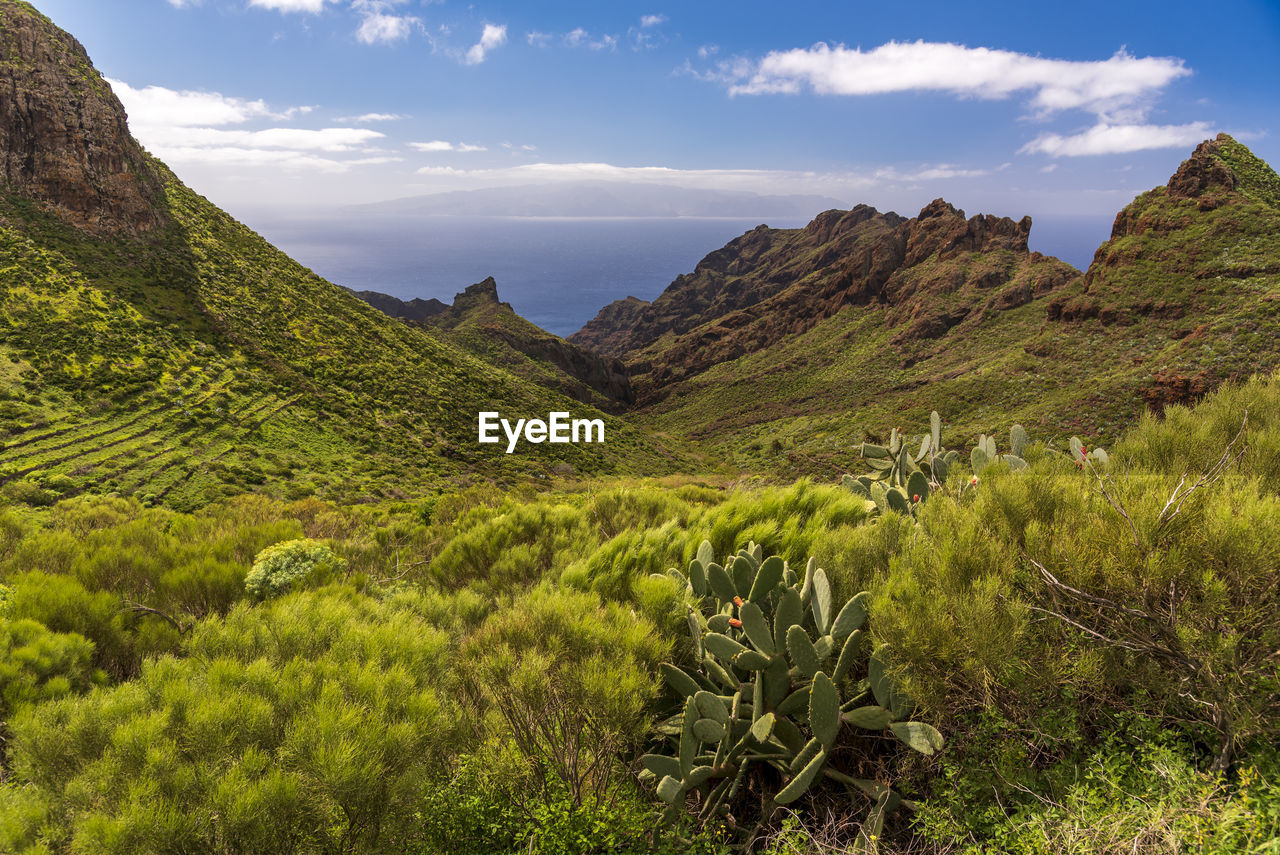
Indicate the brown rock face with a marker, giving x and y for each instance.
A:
(1201, 172)
(601, 332)
(931, 272)
(64, 137)
(1173, 388)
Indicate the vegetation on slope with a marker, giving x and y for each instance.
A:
(461, 623)
(1186, 295)
(208, 363)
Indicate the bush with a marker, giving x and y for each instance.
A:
(38, 665)
(291, 566)
(307, 725)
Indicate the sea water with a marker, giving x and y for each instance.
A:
(557, 272)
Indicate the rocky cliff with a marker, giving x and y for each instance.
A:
(931, 272)
(480, 321)
(64, 137)
(1195, 263)
(416, 309)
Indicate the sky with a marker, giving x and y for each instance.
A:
(1007, 108)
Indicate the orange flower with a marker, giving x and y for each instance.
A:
(737, 601)
(734, 622)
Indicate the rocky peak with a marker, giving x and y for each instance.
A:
(64, 136)
(942, 228)
(480, 295)
(1203, 171)
(1220, 172)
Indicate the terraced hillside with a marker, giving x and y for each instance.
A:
(179, 356)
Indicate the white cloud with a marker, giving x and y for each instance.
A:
(445, 145)
(185, 127)
(537, 38)
(937, 172)
(372, 117)
(374, 161)
(708, 50)
(582, 38)
(444, 171)
(289, 5)
(652, 20)
(377, 27)
(332, 140)
(1106, 138)
(758, 180)
(492, 37)
(236, 156)
(1116, 84)
(153, 105)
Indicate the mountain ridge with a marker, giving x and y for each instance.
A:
(1183, 297)
(165, 350)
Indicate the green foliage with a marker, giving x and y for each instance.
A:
(291, 566)
(311, 724)
(39, 665)
(465, 815)
(559, 686)
(1140, 790)
(775, 675)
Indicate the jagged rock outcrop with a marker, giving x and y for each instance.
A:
(479, 319)
(931, 272)
(64, 137)
(600, 334)
(414, 310)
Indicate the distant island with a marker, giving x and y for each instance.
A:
(603, 199)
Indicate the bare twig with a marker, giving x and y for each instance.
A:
(138, 608)
(1216, 471)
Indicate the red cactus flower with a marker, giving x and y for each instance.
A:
(974, 482)
(916, 497)
(737, 601)
(734, 622)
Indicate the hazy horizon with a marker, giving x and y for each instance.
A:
(1005, 108)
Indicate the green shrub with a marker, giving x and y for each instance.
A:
(291, 566)
(307, 725)
(1141, 790)
(38, 665)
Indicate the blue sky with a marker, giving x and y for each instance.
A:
(1009, 108)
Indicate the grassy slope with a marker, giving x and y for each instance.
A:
(497, 335)
(206, 361)
(819, 392)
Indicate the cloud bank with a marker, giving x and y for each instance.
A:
(186, 127)
(1118, 91)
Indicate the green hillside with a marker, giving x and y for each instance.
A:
(1185, 296)
(263, 593)
(202, 362)
(153, 346)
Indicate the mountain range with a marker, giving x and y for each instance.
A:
(153, 345)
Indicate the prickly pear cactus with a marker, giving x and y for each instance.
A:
(781, 677)
(899, 481)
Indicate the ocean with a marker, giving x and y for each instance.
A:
(557, 272)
